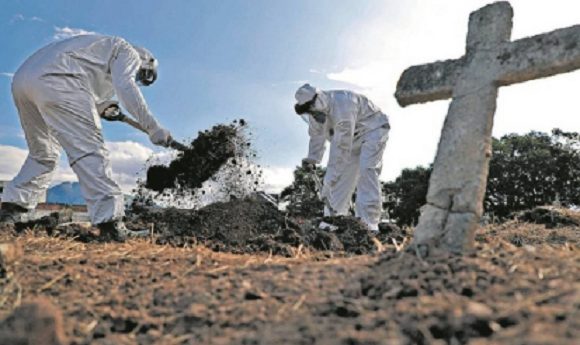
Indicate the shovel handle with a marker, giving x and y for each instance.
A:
(124, 118)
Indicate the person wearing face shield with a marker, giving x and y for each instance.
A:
(57, 92)
(358, 132)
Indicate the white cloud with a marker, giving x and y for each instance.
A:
(67, 32)
(7, 74)
(12, 159)
(21, 18)
(277, 178)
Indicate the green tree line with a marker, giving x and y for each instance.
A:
(525, 171)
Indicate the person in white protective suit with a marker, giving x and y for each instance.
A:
(57, 92)
(358, 132)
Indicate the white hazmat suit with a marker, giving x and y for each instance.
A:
(56, 92)
(358, 132)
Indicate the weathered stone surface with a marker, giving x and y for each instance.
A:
(458, 182)
(431, 218)
(490, 26)
(540, 56)
(458, 234)
(426, 83)
(35, 323)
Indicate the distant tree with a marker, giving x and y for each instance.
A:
(525, 171)
(404, 196)
(303, 194)
(532, 170)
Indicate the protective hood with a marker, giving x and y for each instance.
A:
(148, 61)
(305, 94)
(148, 71)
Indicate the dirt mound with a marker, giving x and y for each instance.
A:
(254, 225)
(549, 216)
(523, 234)
(46, 223)
(227, 225)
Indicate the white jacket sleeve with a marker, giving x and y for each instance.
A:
(317, 143)
(124, 66)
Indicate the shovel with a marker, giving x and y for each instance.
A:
(112, 112)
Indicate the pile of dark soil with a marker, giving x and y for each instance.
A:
(46, 223)
(253, 225)
(225, 226)
(549, 216)
(205, 156)
(523, 234)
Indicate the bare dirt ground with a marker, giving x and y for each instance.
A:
(521, 286)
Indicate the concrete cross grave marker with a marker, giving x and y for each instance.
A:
(458, 181)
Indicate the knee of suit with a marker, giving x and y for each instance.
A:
(49, 162)
(370, 200)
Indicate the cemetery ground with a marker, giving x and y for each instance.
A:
(520, 286)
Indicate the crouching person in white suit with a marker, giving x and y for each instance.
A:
(359, 135)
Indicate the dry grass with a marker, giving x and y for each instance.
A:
(97, 285)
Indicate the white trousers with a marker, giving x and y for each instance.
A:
(58, 111)
(362, 174)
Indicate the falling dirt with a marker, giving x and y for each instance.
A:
(204, 157)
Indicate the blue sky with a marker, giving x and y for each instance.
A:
(221, 60)
(218, 59)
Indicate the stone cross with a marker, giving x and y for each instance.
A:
(458, 181)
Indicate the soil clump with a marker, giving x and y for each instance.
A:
(46, 223)
(205, 156)
(34, 323)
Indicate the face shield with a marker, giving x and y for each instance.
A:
(306, 109)
(146, 76)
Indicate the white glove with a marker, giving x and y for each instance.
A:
(161, 137)
(308, 164)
